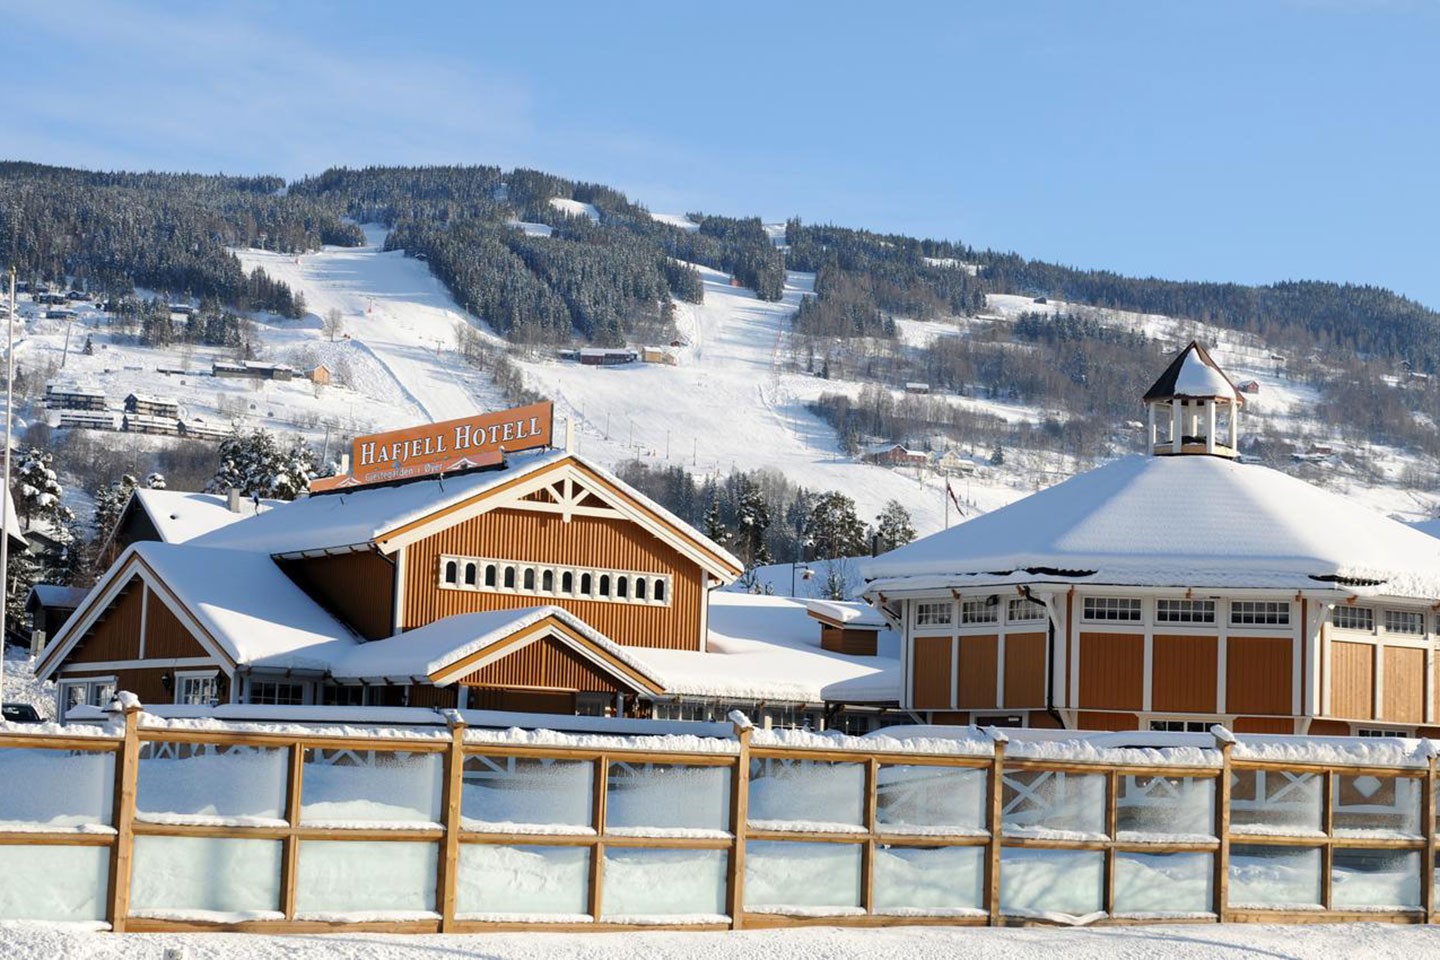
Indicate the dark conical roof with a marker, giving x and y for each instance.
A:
(1194, 375)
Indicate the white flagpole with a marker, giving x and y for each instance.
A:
(5, 505)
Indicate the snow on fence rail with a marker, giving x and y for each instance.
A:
(188, 824)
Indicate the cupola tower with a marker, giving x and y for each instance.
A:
(1193, 408)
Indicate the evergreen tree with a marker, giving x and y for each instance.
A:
(38, 494)
(110, 501)
(834, 528)
(752, 520)
(893, 526)
(997, 456)
(258, 465)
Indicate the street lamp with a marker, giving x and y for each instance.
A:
(802, 552)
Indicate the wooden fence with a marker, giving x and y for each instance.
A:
(933, 838)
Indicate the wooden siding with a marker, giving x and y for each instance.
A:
(116, 635)
(1404, 694)
(1090, 720)
(855, 643)
(147, 684)
(1112, 670)
(1352, 680)
(1184, 677)
(1258, 677)
(359, 588)
(548, 663)
(523, 701)
(1025, 670)
(429, 695)
(1328, 728)
(545, 538)
(931, 674)
(977, 669)
(165, 636)
(1264, 725)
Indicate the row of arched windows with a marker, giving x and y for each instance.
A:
(505, 576)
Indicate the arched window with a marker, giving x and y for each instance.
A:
(469, 574)
(604, 584)
(489, 574)
(567, 582)
(639, 588)
(529, 578)
(659, 591)
(452, 571)
(547, 581)
(622, 587)
(509, 578)
(585, 584)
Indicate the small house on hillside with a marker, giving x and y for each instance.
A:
(607, 356)
(319, 374)
(253, 369)
(88, 420)
(657, 355)
(893, 455)
(143, 423)
(1248, 386)
(914, 386)
(149, 405)
(70, 396)
(197, 429)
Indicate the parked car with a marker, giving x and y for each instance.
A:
(20, 713)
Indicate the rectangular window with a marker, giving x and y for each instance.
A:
(278, 694)
(980, 611)
(1185, 611)
(1112, 609)
(197, 690)
(1377, 732)
(1181, 726)
(933, 614)
(1266, 613)
(1023, 610)
(1404, 621)
(489, 575)
(1353, 618)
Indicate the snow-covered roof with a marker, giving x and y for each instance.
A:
(179, 516)
(847, 612)
(1431, 527)
(1175, 521)
(1193, 374)
(55, 595)
(768, 648)
(12, 520)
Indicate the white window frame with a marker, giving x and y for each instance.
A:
(517, 571)
(90, 685)
(1391, 615)
(1186, 725)
(182, 677)
(1381, 732)
(1186, 612)
(1036, 605)
(940, 613)
(979, 611)
(1093, 609)
(306, 692)
(1260, 608)
(1345, 611)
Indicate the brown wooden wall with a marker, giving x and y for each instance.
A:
(601, 542)
(1352, 680)
(1404, 693)
(854, 643)
(932, 673)
(165, 636)
(145, 684)
(1258, 676)
(359, 588)
(116, 635)
(978, 669)
(1112, 671)
(544, 663)
(1025, 670)
(1184, 677)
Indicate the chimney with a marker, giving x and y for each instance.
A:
(233, 499)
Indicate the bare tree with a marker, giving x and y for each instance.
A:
(333, 323)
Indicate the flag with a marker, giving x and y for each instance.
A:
(950, 492)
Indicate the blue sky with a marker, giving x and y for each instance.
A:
(1248, 141)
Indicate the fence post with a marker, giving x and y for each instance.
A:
(1427, 818)
(1112, 821)
(1225, 741)
(127, 770)
(290, 846)
(997, 811)
(867, 866)
(739, 817)
(1327, 822)
(597, 854)
(447, 882)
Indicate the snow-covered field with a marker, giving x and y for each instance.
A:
(1180, 942)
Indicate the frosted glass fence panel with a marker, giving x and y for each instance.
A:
(929, 880)
(1164, 883)
(363, 787)
(1048, 803)
(1273, 877)
(664, 883)
(1051, 881)
(41, 882)
(784, 876)
(1165, 807)
(519, 793)
(61, 788)
(915, 798)
(206, 782)
(667, 799)
(177, 875)
(1375, 878)
(1275, 802)
(509, 883)
(1367, 806)
(385, 877)
(802, 792)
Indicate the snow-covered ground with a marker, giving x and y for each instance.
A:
(1374, 941)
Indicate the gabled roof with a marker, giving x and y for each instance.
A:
(451, 648)
(1194, 375)
(388, 517)
(1177, 521)
(55, 596)
(179, 516)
